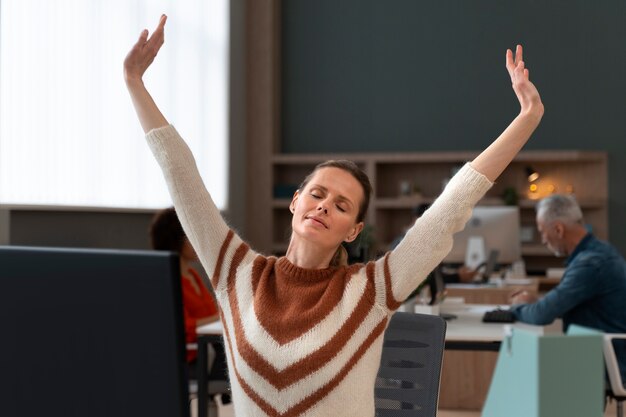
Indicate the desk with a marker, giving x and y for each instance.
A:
(211, 329)
(546, 284)
(497, 294)
(469, 359)
(469, 328)
(471, 354)
(208, 334)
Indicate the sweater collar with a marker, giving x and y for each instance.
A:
(284, 266)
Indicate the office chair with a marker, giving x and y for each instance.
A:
(616, 391)
(407, 383)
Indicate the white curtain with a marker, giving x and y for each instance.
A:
(68, 133)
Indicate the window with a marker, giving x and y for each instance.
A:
(68, 133)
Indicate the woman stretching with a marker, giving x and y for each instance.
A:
(303, 332)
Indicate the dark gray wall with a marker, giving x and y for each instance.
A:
(407, 75)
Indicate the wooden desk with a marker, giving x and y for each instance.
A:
(499, 294)
(546, 284)
(490, 293)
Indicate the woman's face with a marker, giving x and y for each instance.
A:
(325, 211)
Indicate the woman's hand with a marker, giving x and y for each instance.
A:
(143, 52)
(493, 160)
(526, 92)
(135, 64)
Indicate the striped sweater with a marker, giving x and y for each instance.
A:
(304, 342)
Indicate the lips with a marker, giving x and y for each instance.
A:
(318, 220)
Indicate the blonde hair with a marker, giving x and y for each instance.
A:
(340, 258)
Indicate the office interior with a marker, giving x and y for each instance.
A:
(282, 53)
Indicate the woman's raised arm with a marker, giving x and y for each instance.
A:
(200, 218)
(493, 160)
(135, 65)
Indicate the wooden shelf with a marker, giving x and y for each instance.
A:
(585, 203)
(584, 172)
(535, 249)
(400, 203)
(559, 156)
(410, 202)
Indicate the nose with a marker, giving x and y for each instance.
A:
(322, 207)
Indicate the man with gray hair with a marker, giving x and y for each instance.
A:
(593, 288)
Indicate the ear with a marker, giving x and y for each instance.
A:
(559, 228)
(354, 232)
(294, 200)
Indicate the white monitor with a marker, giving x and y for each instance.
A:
(499, 229)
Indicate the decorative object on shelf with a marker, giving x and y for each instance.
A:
(569, 189)
(533, 192)
(405, 188)
(410, 192)
(551, 189)
(532, 174)
(510, 197)
(417, 191)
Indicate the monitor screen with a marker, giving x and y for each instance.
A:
(498, 227)
(91, 333)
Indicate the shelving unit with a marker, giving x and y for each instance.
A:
(425, 174)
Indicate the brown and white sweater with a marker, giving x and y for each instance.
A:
(304, 342)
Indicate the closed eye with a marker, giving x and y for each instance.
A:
(341, 209)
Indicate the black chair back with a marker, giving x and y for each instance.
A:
(408, 379)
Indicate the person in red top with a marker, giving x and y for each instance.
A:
(199, 307)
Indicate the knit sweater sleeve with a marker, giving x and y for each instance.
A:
(430, 239)
(201, 220)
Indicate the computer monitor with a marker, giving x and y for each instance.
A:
(498, 227)
(91, 333)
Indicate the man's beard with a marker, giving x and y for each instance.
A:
(559, 253)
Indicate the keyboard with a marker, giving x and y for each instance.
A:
(498, 316)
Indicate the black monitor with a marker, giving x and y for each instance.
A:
(91, 333)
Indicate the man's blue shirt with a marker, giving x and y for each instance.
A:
(592, 293)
